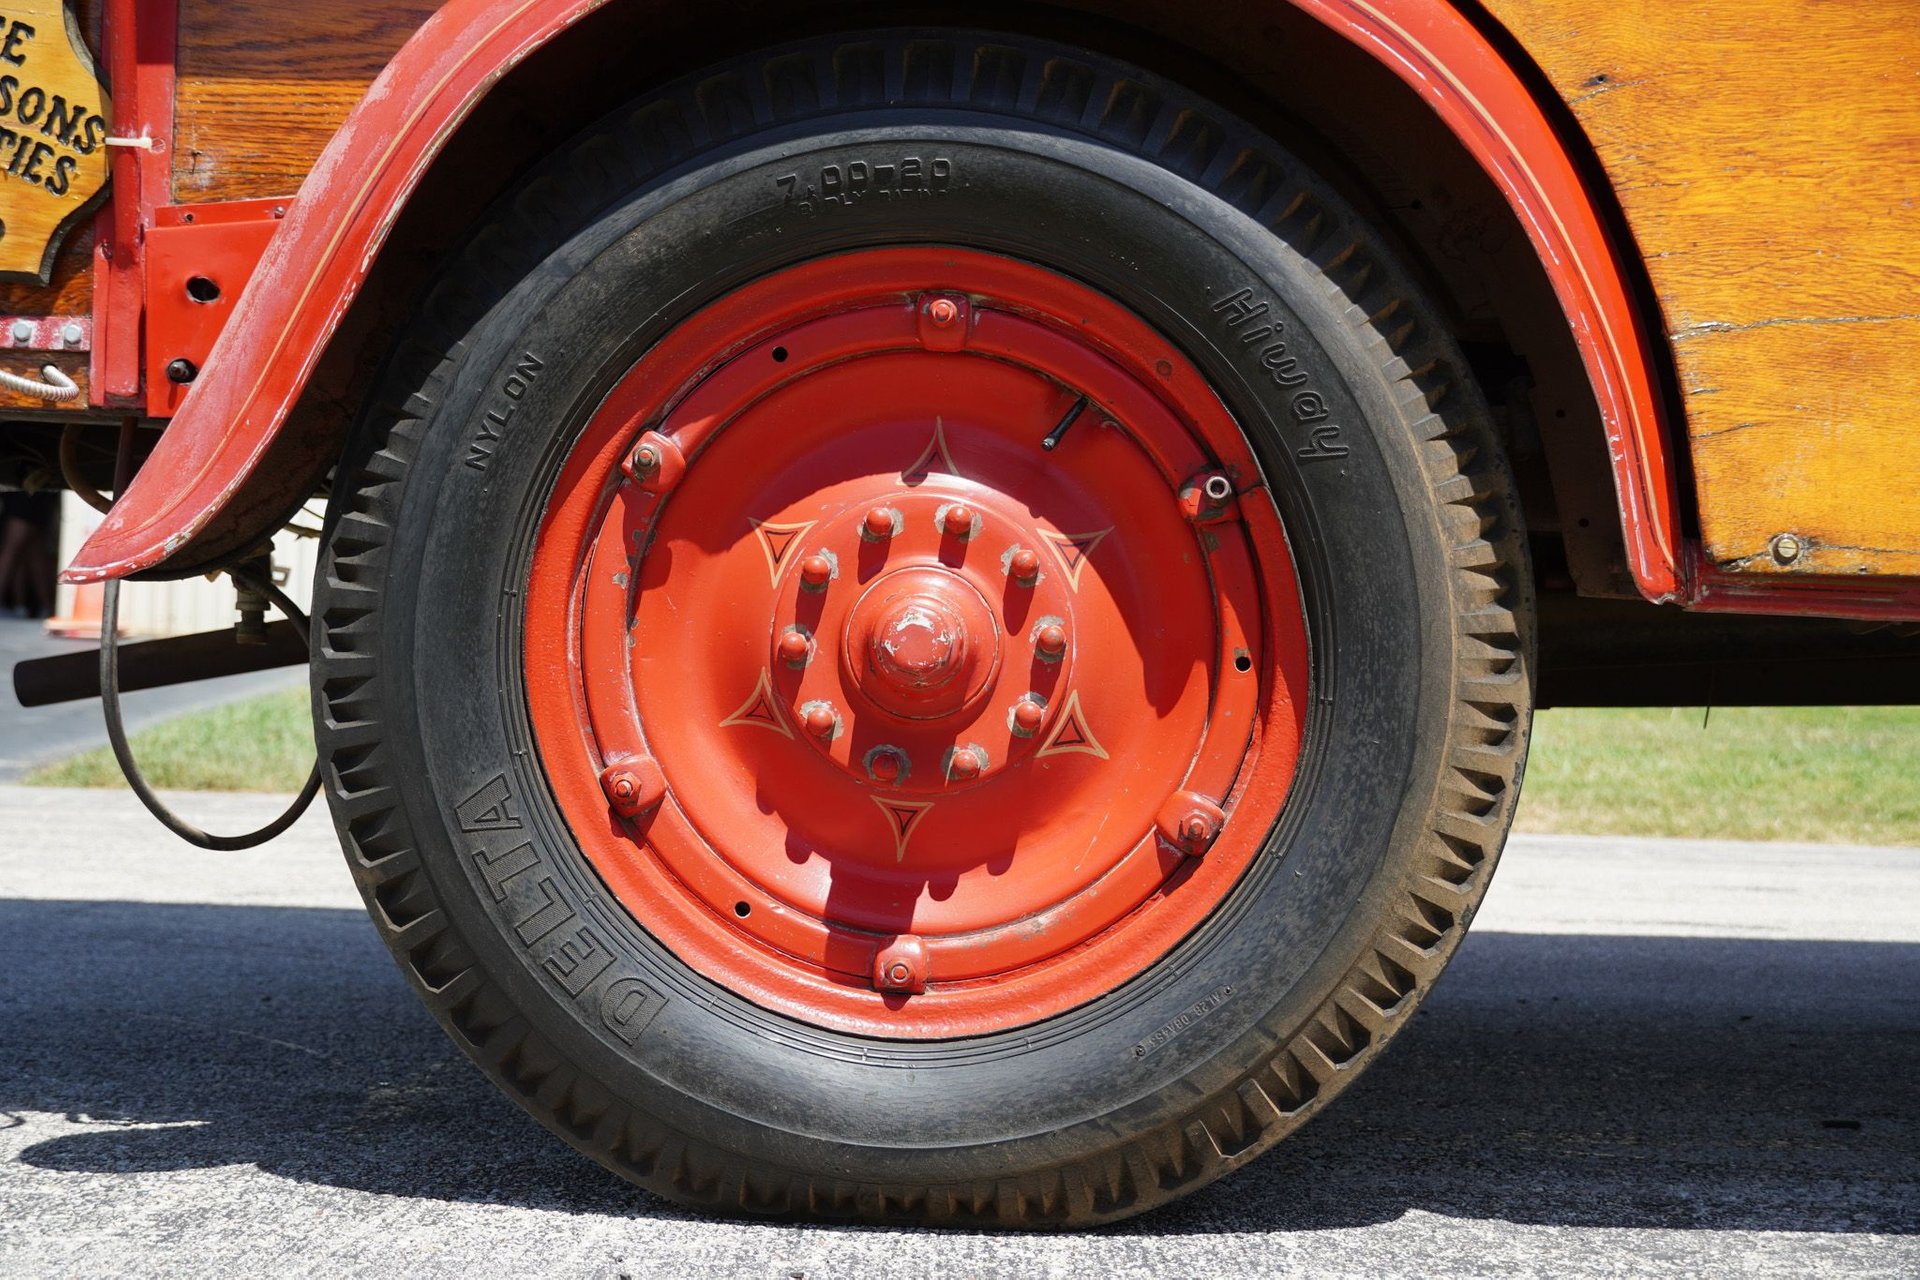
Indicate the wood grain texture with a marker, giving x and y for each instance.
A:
(54, 115)
(263, 84)
(1767, 155)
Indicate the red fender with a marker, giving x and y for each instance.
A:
(321, 255)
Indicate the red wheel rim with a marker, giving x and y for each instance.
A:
(911, 645)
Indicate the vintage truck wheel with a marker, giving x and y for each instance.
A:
(929, 629)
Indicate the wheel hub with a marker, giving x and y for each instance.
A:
(929, 642)
(956, 683)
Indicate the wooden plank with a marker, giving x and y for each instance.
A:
(54, 115)
(262, 85)
(1767, 155)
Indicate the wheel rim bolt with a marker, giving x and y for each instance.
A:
(879, 523)
(1196, 828)
(815, 572)
(1028, 716)
(942, 311)
(965, 765)
(1050, 642)
(821, 720)
(957, 521)
(795, 648)
(1023, 566)
(884, 765)
(646, 460)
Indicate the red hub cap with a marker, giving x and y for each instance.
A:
(911, 645)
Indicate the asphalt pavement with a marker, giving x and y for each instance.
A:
(1651, 1058)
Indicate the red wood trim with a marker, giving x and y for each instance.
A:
(320, 257)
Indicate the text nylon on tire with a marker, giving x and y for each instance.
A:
(926, 629)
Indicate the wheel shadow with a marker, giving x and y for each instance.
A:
(1554, 1080)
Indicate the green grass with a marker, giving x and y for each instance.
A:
(1849, 774)
(260, 744)
(1753, 773)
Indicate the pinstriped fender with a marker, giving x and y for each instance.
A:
(321, 255)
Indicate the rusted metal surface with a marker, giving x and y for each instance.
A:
(893, 722)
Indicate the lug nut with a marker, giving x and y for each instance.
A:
(795, 649)
(965, 765)
(957, 522)
(1028, 715)
(815, 572)
(633, 786)
(942, 311)
(1195, 828)
(879, 523)
(646, 460)
(1023, 566)
(821, 720)
(1050, 641)
(884, 765)
(901, 965)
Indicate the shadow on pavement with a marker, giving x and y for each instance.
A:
(1557, 1080)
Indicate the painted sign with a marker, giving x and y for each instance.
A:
(53, 129)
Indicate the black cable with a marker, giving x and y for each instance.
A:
(117, 732)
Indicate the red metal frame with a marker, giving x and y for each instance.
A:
(140, 43)
(730, 792)
(199, 259)
(349, 200)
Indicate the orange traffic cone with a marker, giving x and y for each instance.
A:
(83, 623)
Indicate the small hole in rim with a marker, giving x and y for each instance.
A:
(742, 909)
(779, 355)
(1242, 662)
(201, 289)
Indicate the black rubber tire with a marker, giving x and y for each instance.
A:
(1415, 585)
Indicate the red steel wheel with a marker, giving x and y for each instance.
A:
(996, 681)
(928, 628)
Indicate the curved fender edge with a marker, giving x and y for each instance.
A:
(317, 262)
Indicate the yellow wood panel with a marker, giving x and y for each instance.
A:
(54, 115)
(263, 84)
(1767, 155)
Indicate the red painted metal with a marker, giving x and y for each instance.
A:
(356, 189)
(46, 333)
(198, 260)
(891, 755)
(139, 36)
(1865, 597)
(311, 271)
